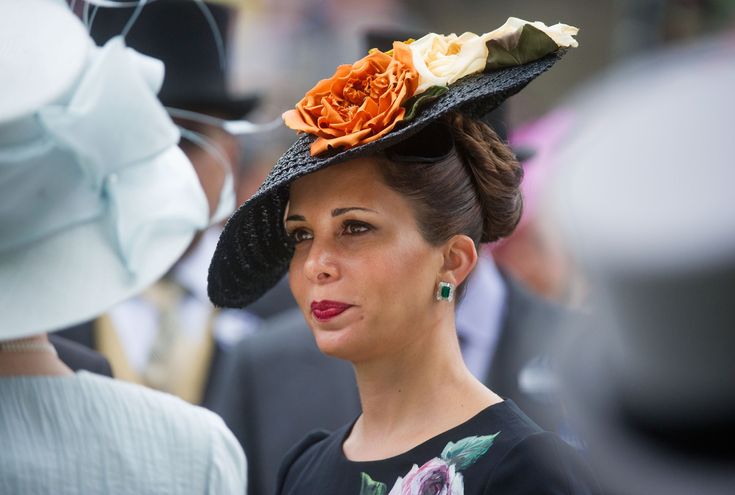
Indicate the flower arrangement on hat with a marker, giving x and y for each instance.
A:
(372, 106)
(364, 101)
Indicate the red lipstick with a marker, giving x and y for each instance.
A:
(326, 310)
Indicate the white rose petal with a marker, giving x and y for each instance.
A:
(441, 60)
(562, 34)
(397, 488)
(457, 484)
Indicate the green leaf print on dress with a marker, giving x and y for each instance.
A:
(439, 476)
(372, 487)
(464, 453)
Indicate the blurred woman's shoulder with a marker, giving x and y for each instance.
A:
(133, 435)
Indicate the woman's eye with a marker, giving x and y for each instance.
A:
(355, 228)
(300, 235)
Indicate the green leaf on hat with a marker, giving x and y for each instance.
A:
(371, 487)
(465, 452)
(414, 104)
(531, 44)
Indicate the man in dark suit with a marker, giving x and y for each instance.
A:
(522, 367)
(78, 357)
(275, 386)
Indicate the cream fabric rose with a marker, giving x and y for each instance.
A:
(562, 34)
(441, 60)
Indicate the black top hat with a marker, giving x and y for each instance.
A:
(254, 251)
(180, 34)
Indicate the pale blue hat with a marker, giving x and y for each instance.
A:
(96, 199)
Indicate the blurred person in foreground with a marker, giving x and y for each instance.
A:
(645, 200)
(96, 203)
(378, 226)
(170, 337)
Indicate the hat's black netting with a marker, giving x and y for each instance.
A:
(253, 251)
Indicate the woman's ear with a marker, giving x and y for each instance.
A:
(460, 257)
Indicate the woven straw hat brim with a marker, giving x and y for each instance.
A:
(253, 251)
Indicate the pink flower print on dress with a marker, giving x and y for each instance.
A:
(440, 475)
(436, 477)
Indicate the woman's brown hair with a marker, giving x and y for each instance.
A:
(472, 189)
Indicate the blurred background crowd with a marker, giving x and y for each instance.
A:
(259, 368)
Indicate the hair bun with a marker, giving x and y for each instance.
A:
(495, 172)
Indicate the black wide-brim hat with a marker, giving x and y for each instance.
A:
(253, 252)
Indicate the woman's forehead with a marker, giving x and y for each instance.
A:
(358, 180)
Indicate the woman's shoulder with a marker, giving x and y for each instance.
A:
(181, 419)
(548, 466)
(136, 423)
(192, 433)
(514, 455)
(307, 453)
(186, 430)
(503, 425)
(125, 397)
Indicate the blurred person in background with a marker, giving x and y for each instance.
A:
(400, 276)
(532, 254)
(282, 46)
(644, 200)
(171, 337)
(96, 203)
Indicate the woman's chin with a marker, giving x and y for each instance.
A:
(335, 343)
(347, 343)
(343, 337)
(338, 353)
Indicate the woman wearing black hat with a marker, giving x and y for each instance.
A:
(377, 249)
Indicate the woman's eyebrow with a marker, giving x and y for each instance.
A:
(341, 211)
(335, 213)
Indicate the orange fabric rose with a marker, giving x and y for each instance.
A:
(359, 103)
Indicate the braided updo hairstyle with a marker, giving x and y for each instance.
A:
(473, 190)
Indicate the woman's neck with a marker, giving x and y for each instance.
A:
(31, 356)
(413, 395)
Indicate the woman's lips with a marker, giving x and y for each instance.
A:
(326, 310)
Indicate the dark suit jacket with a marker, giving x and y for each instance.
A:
(77, 357)
(522, 368)
(275, 386)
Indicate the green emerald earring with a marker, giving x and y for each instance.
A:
(445, 291)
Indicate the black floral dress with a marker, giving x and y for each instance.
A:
(499, 451)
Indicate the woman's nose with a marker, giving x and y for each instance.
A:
(320, 265)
